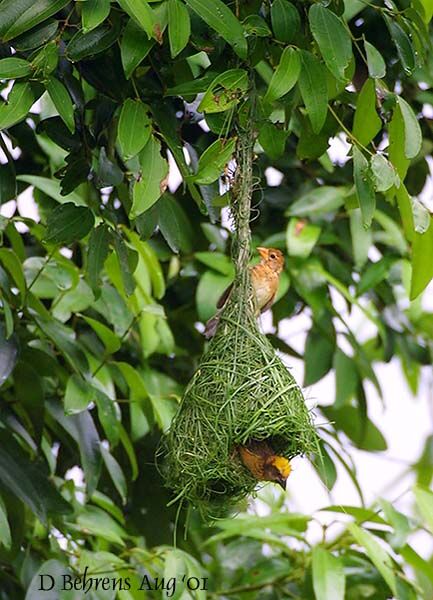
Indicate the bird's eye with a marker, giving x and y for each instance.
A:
(273, 255)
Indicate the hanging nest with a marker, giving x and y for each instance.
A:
(241, 390)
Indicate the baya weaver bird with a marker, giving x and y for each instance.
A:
(264, 278)
(263, 464)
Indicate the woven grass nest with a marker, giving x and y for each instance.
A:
(241, 390)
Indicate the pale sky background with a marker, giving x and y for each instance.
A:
(405, 421)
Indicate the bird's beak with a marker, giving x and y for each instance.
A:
(282, 483)
(263, 252)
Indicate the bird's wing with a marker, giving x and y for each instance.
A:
(224, 296)
(268, 304)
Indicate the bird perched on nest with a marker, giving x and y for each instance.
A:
(264, 277)
(263, 463)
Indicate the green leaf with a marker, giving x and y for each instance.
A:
(97, 253)
(128, 260)
(319, 352)
(28, 480)
(272, 139)
(12, 264)
(424, 501)
(376, 64)
(301, 237)
(108, 415)
(140, 11)
(225, 91)
(285, 76)
(5, 531)
(364, 186)
(46, 60)
(94, 521)
(346, 379)
(209, 289)
(400, 523)
(18, 16)
(366, 124)
(359, 429)
(318, 201)
(213, 160)
(51, 568)
(174, 224)
(62, 101)
(328, 575)
(179, 26)
(17, 106)
(412, 130)
(93, 13)
(153, 179)
(362, 238)
(403, 44)
(83, 431)
(52, 189)
(217, 261)
(37, 37)
(428, 10)
(333, 39)
(68, 223)
(78, 395)
(110, 340)
(384, 174)
(84, 45)
(8, 182)
(116, 473)
(374, 274)
(29, 392)
(378, 555)
(397, 143)
(13, 68)
(134, 47)
(285, 20)
(422, 265)
(314, 90)
(221, 19)
(134, 128)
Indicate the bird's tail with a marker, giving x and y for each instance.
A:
(211, 326)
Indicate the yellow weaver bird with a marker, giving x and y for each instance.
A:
(264, 278)
(263, 464)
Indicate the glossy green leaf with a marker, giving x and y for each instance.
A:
(364, 186)
(110, 340)
(359, 429)
(12, 264)
(97, 253)
(301, 237)
(362, 238)
(116, 473)
(62, 101)
(134, 128)
(285, 76)
(179, 26)
(424, 501)
(384, 174)
(92, 520)
(13, 68)
(312, 83)
(332, 38)
(403, 44)
(225, 91)
(29, 392)
(140, 11)
(213, 160)
(46, 60)
(397, 143)
(318, 201)
(273, 139)
(366, 124)
(68, 223)
(37, 37)
(8, 183)
(18, 16)
(209, 289)
(328, 575)
(376, 64)
(153, 179)
(93, 13)
(400, 523)
(285, 20)
(412, 130)
(18, 104)
(78, 395)
(346, 379)
(5, 531)
(134, 47)
(374, 274)
(422, 265)
(84, 45)
(51, 187)
(221, 19)
(377, 554)
(174, 224)
(128, 260)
